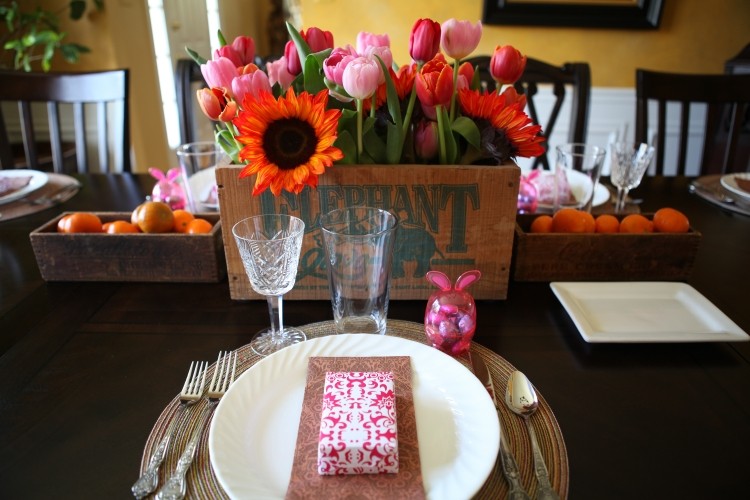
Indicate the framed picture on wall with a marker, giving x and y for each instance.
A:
(627, 14)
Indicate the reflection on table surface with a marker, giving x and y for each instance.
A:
(87, 368)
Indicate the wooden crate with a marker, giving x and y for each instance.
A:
(602, 257)
(452, 219)
(168, 257)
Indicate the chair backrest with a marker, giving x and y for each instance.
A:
(107, 91)
(576, 76)
(725, 140)
(187, 73)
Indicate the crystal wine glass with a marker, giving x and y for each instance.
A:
(628, 164)
(270, 247)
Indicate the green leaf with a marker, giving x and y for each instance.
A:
(77, 8)
(467, 129)
(451, 148)
(195, 56)
(394, 137)
(313, 76)
(222, 40)
(225, 139)
(374, 146)
(302, 48)
(346, 143)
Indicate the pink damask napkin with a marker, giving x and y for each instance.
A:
(307, 483)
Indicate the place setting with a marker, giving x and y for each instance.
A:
(266, 436)
(730, 192)
(24, 191)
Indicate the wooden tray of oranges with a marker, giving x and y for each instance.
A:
(579, 247)
(74, 249)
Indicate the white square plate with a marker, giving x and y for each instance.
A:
(644, 312)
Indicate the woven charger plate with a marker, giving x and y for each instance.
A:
(202, 482)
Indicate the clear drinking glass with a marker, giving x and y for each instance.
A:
(628, 164)
(584, 159)
(196, 158)
(270, 247)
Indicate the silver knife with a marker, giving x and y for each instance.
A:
(509, 465)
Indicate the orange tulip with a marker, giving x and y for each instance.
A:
(435, 85)
(216, 104)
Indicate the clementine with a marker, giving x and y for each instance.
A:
(120, 227)
(541, 224)
(153, 217)
(198, 226)
(606, 223)
(636, 223)
(181, 220)
(80, 222)
(570, 220)
(669, 220)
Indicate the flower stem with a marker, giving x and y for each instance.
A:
(410, 108)
(359, 129)
(455, 89)
(441, 135)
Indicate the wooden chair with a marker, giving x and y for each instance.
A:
(107, 91)
(537, 74)
(725, 139)
(187, 75)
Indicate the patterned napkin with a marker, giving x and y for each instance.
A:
(307, 483)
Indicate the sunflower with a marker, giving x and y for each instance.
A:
(287, 142)
(505, 130)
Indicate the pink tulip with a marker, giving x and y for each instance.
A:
(424, 41)
(383, 53)
(460, 38)
(244, 46)
(334, 65)
(366, 40)
(219, 72)
(507, 64)
(278, 73)
(465, 76)
(361, 76)
(293, 66)
(426, 141)
(251, 83)
(216, 104)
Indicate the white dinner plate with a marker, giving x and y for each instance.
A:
(253, 433)
(729, 182)
(644, 312)
(201, 183)
(577, 182)
(38, 179)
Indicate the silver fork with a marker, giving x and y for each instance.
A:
(191, 393)
(224, 371)
(55, 196)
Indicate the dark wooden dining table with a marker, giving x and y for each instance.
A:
(86, 368)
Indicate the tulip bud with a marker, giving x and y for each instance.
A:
(244, 46)
(250, 83)
(426, 141)
(460, 38)
(219, 72)
(361, 76)
(424, 41)
(216, 104)
(278, 73)
(507, 64)
(366, 40)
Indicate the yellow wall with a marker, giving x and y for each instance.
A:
(690, 38)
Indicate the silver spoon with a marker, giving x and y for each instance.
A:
(521, 398)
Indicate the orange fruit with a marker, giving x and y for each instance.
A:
(80, 222)
(636, 223)
(153, 217)
(669, 220)
(198, 226)
(541, 224)
(570, 220)
(181, 220)
(120, 227)
(606, 223)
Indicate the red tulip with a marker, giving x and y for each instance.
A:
(216, 104)
(424, 41)
(507, 64)
(460, 38)
(241, 52)
(316, 39)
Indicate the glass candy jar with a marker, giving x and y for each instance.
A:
(450, 316)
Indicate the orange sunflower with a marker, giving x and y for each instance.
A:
(288, 142)
(505, 129)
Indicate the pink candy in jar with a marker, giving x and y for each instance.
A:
(451, 316)
(168, 188)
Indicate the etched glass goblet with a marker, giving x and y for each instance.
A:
(270, 247)
(628, 164)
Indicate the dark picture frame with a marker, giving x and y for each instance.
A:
(623, 14)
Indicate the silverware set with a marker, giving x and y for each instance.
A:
(192, 392)
(521, 398)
